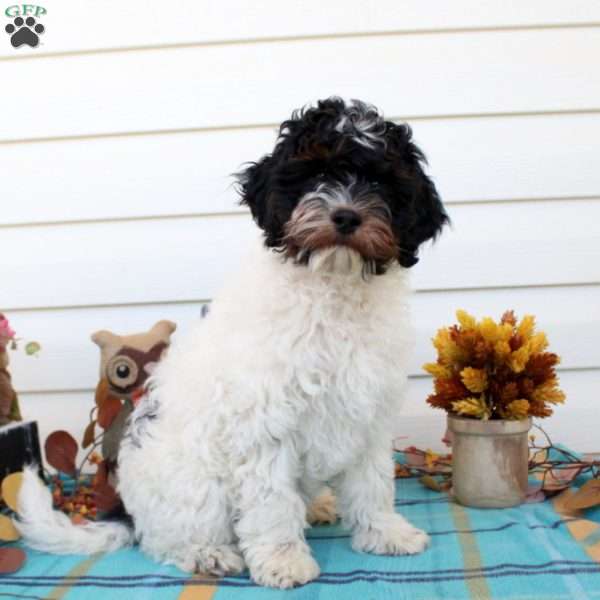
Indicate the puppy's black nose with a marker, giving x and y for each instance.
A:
(346, 221)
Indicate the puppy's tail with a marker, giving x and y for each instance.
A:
(49, 530)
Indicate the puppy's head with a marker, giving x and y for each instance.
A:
(343, 178)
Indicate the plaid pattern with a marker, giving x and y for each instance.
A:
(531, 552)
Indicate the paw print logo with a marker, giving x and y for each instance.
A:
(24, 32)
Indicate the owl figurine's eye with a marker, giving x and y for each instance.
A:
(122, 371)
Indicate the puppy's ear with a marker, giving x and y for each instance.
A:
(424, 213)
(253, 186)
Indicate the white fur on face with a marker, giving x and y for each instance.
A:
(313, 235)
(364, 123)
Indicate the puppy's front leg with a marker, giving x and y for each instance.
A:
(365, 496)
(271, 518)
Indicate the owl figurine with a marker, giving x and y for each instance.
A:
(126, 362)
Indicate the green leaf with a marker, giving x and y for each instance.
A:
(32, 348)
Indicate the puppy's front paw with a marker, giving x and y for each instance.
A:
(392, 536)
(283, 566)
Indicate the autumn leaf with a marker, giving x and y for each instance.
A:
(557, 479)
(472, 407)
(534, 494)
(466, 320)
(433, 484)
(108, 411)
(539, 457)
(106, 497)
(8, 532)
(400, 471)
(88, 435)
(509, 317)
(11, 485)
(475, 380)
(11, 560)
(61, 451)
(586, 496)
(108, 404)
(430, 482)
(437, 370)
(517, 409)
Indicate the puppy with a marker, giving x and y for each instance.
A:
(294, 380)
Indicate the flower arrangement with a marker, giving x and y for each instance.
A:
(494, 370)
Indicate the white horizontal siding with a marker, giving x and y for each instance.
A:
(118, 209)
(471, 160)
(407, 75)
(489, 245)
(141, 23)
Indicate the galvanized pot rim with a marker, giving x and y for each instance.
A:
(467, 426)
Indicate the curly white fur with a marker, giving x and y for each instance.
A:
(291, 383)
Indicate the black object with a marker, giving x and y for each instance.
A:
(19, 446)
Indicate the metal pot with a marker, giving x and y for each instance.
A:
(489, 461)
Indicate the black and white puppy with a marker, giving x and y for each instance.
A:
(294, 380)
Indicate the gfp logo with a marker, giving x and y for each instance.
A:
(24, 29)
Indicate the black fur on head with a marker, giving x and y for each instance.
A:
(340, 175)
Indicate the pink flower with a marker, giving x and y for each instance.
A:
(6, 333)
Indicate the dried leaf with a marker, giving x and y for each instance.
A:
(89, 435)
(106, 497)
(539, 457)
(400, 471)
(101, 476)
(11, 485)
(8, 532)
(102, 390)
(61, 450)
(11, 560)
(108, 412)
(586, 496)
(559, 479)
(430, 482)
(534, 494)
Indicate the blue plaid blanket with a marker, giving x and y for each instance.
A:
(525, 553)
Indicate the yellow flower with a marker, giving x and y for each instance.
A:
(548, 392)
(505, 332)
(475, 380)
(448, 351)
(472, 407)
(526, 327)
(538, 343)
(466, 320)
(518, 359)
(517, 409)
(489, 330)
(501, 351)
(438, 371)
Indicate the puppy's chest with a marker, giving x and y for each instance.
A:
(339, 381)
(331, 440)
